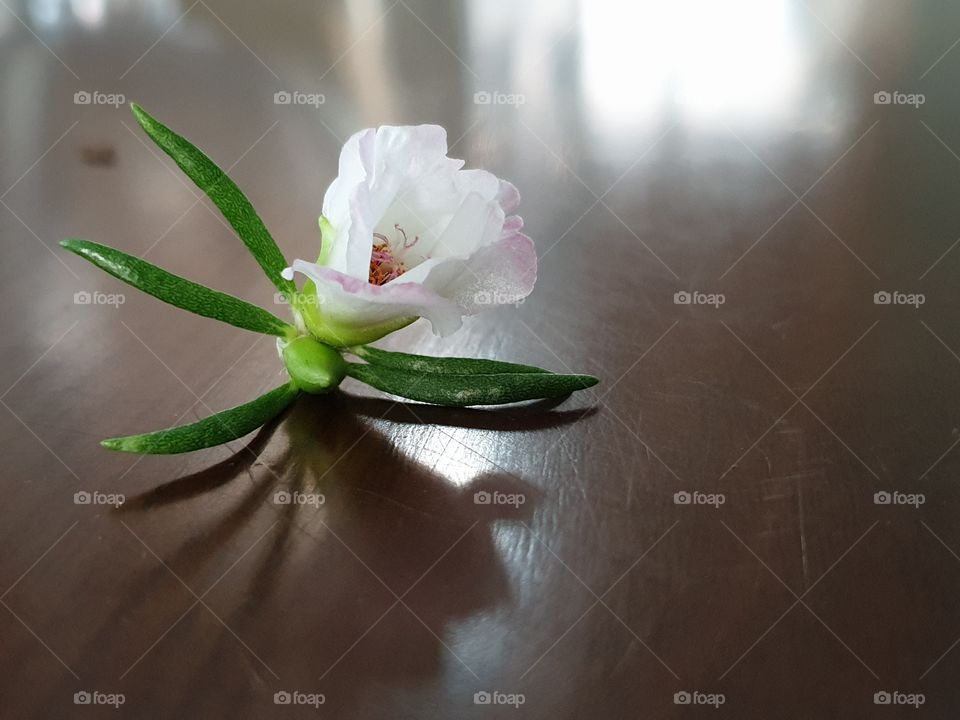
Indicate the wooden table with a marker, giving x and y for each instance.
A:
(705, 521)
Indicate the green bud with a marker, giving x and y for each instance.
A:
(313, 366)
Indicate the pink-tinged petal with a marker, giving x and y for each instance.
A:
(511, 225)
(501, 273)
(508, 197)
(356, 304)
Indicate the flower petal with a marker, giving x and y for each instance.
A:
(503, 272)
(356, 162)
(475, 224)
(508, 196)
(511, 225)
(375, 165)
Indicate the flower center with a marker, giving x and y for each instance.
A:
(385, 265)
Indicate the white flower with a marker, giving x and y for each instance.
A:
(406, 233)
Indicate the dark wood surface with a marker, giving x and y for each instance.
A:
(731, 148)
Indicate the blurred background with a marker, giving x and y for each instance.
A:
(796, 161)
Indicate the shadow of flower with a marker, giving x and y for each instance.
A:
(371, 560)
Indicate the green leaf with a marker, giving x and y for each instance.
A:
(469, 389)
(225, 195)
(214, 430)
(177, 291)
(439, 365)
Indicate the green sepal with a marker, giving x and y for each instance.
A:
(310, 311)
(214, 430)
(469, 389)
(326, 240)
(225, 195)
(178, 291)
